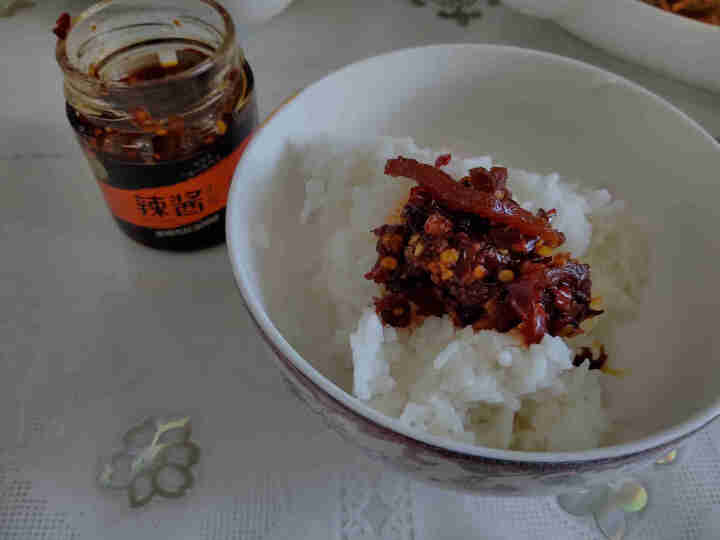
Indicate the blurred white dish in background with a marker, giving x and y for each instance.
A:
(255, 11)
(672, 44)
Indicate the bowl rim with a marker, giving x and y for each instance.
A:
(280, 345)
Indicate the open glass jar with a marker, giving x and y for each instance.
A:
(162, 101)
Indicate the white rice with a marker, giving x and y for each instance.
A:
(479, 387)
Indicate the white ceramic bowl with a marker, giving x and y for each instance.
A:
(683, 48)
(539, 112)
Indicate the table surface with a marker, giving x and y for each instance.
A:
(97, 331)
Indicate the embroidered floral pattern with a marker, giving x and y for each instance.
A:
(155, 459)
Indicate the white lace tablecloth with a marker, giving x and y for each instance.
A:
(96, 332)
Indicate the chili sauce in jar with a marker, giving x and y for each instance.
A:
(162, 101)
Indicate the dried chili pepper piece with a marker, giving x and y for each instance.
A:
(62, 26)
(597, 361)
(394, 310)
(458, 197)
(443, 160)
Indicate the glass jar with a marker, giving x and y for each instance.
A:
(162, 101)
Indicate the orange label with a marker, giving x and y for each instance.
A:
(180, 204)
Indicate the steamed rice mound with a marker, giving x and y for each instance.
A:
(483, 387)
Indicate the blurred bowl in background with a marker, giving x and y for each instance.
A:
(631, 29)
